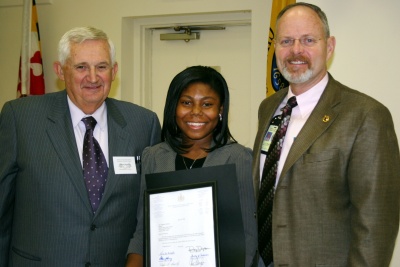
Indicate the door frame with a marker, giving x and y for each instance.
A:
(136, 47)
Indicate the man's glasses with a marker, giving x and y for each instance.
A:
(304, 41)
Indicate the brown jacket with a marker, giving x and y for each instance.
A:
(337, 200)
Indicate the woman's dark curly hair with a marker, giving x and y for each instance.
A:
(195, 74)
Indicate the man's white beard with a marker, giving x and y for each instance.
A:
(304, 77)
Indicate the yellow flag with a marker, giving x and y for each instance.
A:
(275, 80)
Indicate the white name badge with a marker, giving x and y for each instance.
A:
(124, 165)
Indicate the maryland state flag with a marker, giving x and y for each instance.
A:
(275, 80)
(30, 76)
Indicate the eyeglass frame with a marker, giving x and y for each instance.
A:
(293, 40)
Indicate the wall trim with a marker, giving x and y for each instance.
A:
(8, 3)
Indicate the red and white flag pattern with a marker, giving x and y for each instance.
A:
(30, 76)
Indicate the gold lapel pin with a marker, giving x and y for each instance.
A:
(325, 118)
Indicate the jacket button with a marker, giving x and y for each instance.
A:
(88, 264)
(93, 227)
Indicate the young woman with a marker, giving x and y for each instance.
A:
(195, 134)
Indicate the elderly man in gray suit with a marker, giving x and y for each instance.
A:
(47, 214)
(335, 191)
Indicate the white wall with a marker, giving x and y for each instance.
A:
(366, 57)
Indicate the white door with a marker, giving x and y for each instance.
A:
(226, 50)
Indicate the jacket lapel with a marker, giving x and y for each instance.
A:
(323, 115)
(118, 145)
(167, 156)
(265, 115)
(220, 156)
(61, 134)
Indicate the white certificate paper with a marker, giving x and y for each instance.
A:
(182, 229)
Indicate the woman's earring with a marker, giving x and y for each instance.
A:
(220, 117)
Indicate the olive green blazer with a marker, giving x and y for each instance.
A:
(337, 199)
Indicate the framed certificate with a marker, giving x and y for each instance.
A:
(231, 240)
(182, 228)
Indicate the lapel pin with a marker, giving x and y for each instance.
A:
(325, 118)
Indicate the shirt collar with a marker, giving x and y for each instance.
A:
(309, 99)
(77, 114)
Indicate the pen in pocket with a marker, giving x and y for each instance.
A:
(138, 164)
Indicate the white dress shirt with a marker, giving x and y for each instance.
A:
(100, 131)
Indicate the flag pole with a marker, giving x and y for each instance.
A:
(26, 47)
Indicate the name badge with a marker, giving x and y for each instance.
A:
(124, 165)
(273, 127)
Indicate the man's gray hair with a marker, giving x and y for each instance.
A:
(79, 35)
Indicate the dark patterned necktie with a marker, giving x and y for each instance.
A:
(95, 168)
(267, 189)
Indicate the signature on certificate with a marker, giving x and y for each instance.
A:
(198, 260)
(166, 259)
(194, 249)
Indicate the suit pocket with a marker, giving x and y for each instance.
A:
(321, 167)
(321, 156)
(25, 255)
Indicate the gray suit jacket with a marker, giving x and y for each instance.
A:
(161, 158)
(46, 217)
(337, 200)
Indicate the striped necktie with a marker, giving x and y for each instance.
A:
(267, 189)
